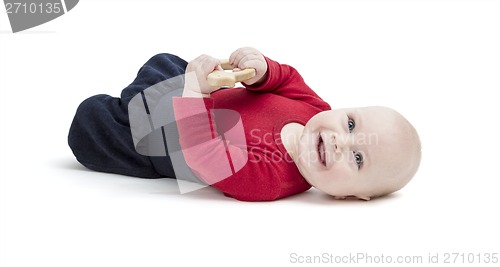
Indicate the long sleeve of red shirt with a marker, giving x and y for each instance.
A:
(232, 139)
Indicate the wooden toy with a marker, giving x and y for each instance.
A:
(228, 79)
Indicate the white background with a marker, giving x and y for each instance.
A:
(437, 62)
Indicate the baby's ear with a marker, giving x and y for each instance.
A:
(363, 197)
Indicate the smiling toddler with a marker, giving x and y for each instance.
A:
(271, 139)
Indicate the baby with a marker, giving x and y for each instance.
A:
(284, 139)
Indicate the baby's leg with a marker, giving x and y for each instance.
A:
(100, 134)
(101, 140)
(157, 69)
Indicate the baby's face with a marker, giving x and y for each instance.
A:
(358, 152)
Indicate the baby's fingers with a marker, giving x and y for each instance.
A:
(240, 54)
(250, 62)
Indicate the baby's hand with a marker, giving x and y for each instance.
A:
(248, 57)
(197, 70)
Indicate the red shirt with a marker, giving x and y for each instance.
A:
(232, 139)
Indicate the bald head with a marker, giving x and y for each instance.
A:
(364, 152)
(398, 152)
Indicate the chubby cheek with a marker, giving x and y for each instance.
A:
(326, 119)
(333, 179)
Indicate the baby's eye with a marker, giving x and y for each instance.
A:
(351, 124)
(358, 158)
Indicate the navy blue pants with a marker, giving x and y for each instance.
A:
(100, 135)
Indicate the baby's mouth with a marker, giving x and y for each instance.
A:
(321, 151)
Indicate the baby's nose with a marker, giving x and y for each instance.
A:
(336, 148)
(340, 143)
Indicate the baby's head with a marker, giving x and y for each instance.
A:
(362, 152)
